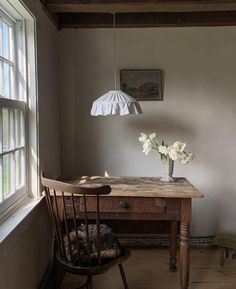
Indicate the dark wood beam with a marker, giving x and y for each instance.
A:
(52, 15)
(132, 20)
(134, 6)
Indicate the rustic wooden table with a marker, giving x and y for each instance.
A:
(143, 198)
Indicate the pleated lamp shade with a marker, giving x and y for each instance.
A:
(115, 102)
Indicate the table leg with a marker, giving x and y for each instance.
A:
(184, 242)
(173, 246)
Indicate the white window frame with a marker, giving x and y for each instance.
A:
(26, 66)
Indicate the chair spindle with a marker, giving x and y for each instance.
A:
(67, 228)
(87, 229)
(98, 231)
(75, 225)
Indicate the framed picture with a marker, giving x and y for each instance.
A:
(142, 84)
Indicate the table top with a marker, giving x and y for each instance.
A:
(142, 186)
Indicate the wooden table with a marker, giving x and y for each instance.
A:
(143, 198)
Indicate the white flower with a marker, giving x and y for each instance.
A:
(173, 154)
(179, 146)
(147, 146)
(143, 137)
(163, 150)
(152, 136)
(186, 158)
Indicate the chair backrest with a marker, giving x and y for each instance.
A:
(66, 227)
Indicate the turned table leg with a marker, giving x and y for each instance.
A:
(184, 242)
(173, 246)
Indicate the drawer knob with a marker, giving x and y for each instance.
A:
(124, 204)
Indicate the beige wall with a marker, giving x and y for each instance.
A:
(48, 91)
(27, 261)
(199, 106)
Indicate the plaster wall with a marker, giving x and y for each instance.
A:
(199, 68)
(26, 262)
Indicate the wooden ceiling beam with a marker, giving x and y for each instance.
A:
(52, 15)
(138, 20)
(135, 6)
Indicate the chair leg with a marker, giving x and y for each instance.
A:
(122, 273)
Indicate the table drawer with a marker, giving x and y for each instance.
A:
(126, 204)
(132, 208)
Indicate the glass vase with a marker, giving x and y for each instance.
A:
(168, 165)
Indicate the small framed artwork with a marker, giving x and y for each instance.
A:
(142, 84)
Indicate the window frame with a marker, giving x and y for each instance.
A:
(24, 37)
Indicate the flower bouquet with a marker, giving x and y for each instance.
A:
(169, 153)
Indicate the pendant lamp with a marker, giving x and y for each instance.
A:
(115, 102)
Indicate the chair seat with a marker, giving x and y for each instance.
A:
(92, 270)
(111, 250)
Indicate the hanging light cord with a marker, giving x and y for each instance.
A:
(114, 47)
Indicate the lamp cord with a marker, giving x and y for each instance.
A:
(114, 47)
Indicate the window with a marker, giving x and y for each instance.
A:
(13, 109)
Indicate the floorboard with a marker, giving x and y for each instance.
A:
(148, 269)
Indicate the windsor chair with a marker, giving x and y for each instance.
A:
(82, 247)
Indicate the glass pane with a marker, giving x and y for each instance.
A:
(19, 128)
(17, 162)
(12, 82)
(6, 175)
(6, 129)
(22, 165)
(6, 42)
(11, 44)
(1, 183)
(6, 80)
(19, 168)
(1, 48)
(1, 78)
(22, 128)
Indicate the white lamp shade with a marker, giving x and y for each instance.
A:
(115, 102)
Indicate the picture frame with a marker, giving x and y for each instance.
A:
(142, 84)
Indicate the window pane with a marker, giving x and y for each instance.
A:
(1, 182)
(1, 78)
(6, 129)
(19, 167)
(6, 42)
(17, 162)
(6, 175)
(1, 48)
(17, 128)
(11, 43)
(13, 129)
(6, 80)
(12, 83)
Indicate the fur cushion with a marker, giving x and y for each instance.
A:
(110, 246)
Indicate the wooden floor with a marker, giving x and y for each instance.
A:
(148, 269)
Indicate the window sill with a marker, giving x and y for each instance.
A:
(12, 229)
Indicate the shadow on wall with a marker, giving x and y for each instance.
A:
(110, 140)
(163, 124)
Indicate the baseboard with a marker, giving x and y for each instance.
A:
(157, 241)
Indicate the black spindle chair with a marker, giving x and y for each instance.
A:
(80, 244)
